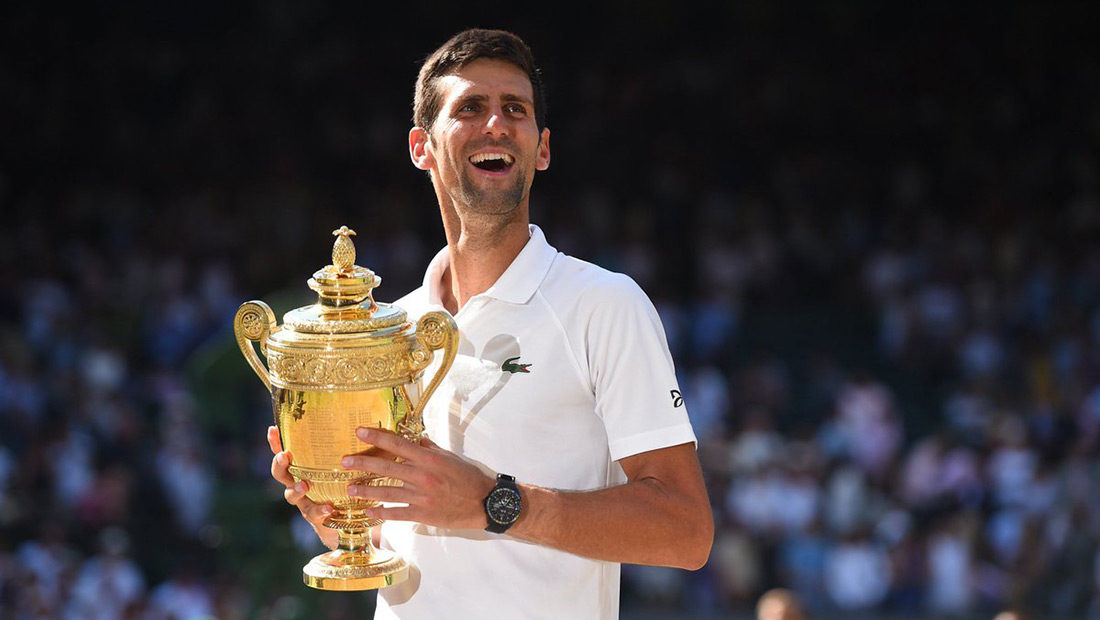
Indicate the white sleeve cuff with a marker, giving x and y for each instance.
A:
(652, 440)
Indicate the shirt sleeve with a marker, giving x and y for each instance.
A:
(632, 372)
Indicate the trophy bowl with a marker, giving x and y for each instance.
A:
(343, 363)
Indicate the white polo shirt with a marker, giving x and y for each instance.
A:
(562, 370)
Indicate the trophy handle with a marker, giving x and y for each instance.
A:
(437, 330)
(254, 322)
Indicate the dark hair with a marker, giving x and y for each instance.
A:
(462, 49)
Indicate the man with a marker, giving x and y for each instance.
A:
(563, 381)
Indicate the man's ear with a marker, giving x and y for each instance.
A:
(542, 157)
(420, 149)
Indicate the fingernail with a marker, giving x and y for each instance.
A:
(363, 433)
(327, 510)
(348, 461)
(353, 490)
(300, 487)
(280, 458)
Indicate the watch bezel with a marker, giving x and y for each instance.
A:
(503, 505)
(493, 504)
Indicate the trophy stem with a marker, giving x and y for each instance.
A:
(353, 541)
(355, 564)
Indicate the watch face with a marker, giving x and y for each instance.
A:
(503, 505)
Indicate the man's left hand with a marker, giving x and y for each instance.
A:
(438, 487)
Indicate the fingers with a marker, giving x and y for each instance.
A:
(379, 466)
(384, 493)
(296, 493)
(273, 440)
(389, 442)
(296, 496)
(316, 515)
(280, 469)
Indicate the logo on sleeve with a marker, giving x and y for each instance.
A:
(509, 365)
(677, 398)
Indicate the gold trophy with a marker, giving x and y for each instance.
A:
(332, 367)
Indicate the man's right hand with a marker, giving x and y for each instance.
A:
(295, 493)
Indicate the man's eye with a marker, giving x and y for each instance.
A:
(515, 108)
(469, 107)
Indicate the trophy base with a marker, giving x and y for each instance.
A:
(344, 570)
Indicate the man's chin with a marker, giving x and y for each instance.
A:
(495, 202)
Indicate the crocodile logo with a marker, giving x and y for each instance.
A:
(509, 365)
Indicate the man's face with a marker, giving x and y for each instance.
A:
(485, 146)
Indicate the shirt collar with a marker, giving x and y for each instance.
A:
(518, 282)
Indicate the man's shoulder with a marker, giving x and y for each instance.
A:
(573, 280)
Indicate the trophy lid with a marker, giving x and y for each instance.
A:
(344, 303)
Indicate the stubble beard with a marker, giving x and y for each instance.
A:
(498, 201)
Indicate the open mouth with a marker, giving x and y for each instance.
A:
(493, 162)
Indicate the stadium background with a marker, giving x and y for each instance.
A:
(871, 233)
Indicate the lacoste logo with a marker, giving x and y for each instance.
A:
(509, 365)
(677, 398)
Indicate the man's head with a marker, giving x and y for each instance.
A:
(462, 49)
(477, 130)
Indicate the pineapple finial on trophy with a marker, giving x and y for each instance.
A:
(344, 284)
(343, 250)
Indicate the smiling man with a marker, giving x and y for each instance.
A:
(558, 448)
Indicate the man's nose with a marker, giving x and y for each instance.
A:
(496, 124)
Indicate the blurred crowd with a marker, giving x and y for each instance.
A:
(871, 237)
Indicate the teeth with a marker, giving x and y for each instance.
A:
(480, 157)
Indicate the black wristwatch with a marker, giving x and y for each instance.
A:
(503, 504)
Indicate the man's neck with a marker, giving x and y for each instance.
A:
(480, 251)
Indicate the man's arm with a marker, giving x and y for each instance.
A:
(661, 516)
